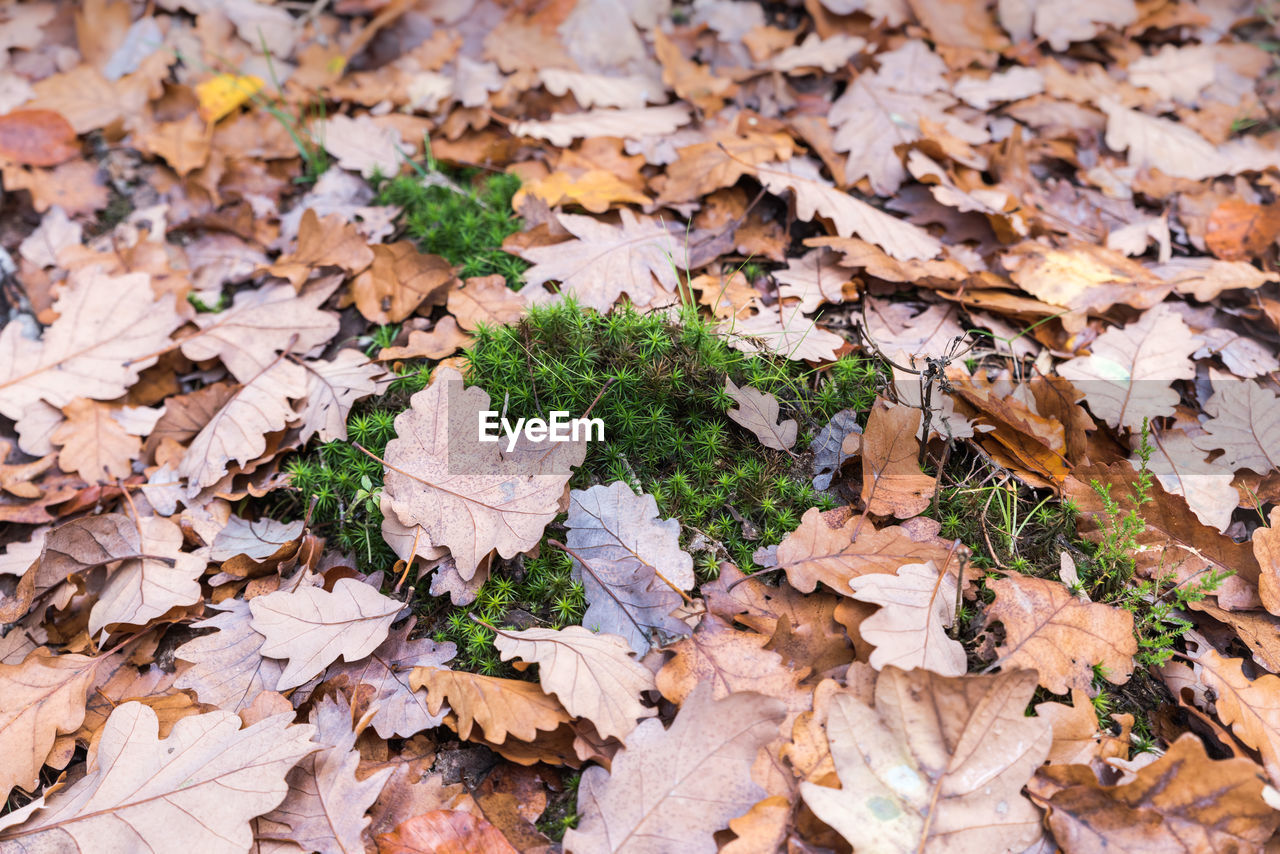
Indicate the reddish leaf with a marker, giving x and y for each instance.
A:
(37, 138)
(444, 832)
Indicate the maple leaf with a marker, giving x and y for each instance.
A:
(1052, 631)
(939, 762)
(916, 604)
(311, 626)
(672, 789)
(201, 785)
(457, 488)
(1183, 800)
(162, 577)
(758, 412)
(109, 329)
(501, 707)
(629, 561)
(326, 805)
(229, 668)
(851, 216)
(640, 257)
(1126, 376)
(834, 553)
(398, 710)
(593, 675)
(44, 698)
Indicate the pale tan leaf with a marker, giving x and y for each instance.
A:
(829, 54)
(1013, 84)
(673, 789)
(333, 387)
(237, 431)
(1205, 278)
(109, 328)
(597, 90)
(1246, 427)
(44, 698)
(1048, 629)
(144, 588)
(909, 629)
(783, 330)
(311, 626)
(937, 765)
(443, 340)
(363, 145)
(1172, 147)
(814, 278)
(1182, 469)
(630, 563)
(759, 413)
(816, 196)
(594, 675)
(1127, 374)
(501, 707)
(229, 669)
(458, 489)
(193, 791)
(563, 128)
(486, 299)
(94, 445)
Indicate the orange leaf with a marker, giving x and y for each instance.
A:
(444, 832)
(37, 137)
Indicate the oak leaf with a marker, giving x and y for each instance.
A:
(1049, 629)
(398, 710)
(1126, 376)
(457, 488)
(1183, 801)
(1172, 147)
(598, 90)
(93, 444)
(630, 563)
(333, 387)
(162, 577)
(399, 281)
(193, 791)
(1250, 707)
(784, 330)
(1245, 427)
(892, 481)
(938, 764)
(593, 675)
(44, 698)
(726, 156)
(501, 707)
(485, 299)
(443, 340)
(916, 604)
(758, 412)
(673, 789)
(444, 832)
(563, 128)
(814, 278)
(109, 329)
(311, 626)
(229, 669)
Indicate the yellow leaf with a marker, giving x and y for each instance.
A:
(220, 95)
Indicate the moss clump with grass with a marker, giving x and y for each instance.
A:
(658, 384)
(463, 217)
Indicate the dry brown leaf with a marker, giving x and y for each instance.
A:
(705, 167)
(444, 832)
(382, 681)
(144, 588)
(1245, 427)
(1173, 148)
(1127, 375)
(758, 412)
(1250, 707)
(311, 626)
(691, 81)
(94, 444)
(501, 707)
(399, 281)
(1266, 548)
(457, 488)
(37, 138)
(44, 698)
(485, 299)
(837, 551)
(443, 340)
(916, 604)
(563, 128)
(814, 278)
(892, 481)
(109, 329)
(1050, 630)
(630, 563)
(201, 785)
(326, 805)
(1184, 801)
(593, 675)
(937, 765)
(1076, 737)
(333, 387)
(673, 789)
(229, 669)
(598, 90)
(783, 330)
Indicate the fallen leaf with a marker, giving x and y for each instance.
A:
(333, 387)
(783, 330)
(892, 481)
(45, 698)
(939, 762)
(362, 145)
(1246, 427)
(758, 412)
(501, 707)
(629, 562)
(444, 832)
(1050, 630)
(93, 444)
(223, 94)
(443, 340)
(311, 626)
(909, 630)
(1250, 707)
(229, 669)
(201, 785)
(399, 281)
(37, 138)
(563, 128)
(485, 299)
(146, 587)
(655, 797)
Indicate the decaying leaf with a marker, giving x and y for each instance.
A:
(593, 675)
(672, 789)
(144, 588)
(938, 763)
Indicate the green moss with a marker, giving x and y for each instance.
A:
(463, 217)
